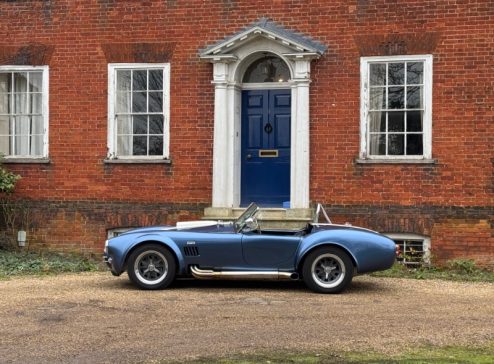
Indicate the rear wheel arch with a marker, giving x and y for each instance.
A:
(328, 245)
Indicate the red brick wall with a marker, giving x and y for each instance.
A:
(78, 38)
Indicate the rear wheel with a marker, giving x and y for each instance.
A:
(151, 267)
(327, 270)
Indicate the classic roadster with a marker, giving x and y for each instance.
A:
(325, 256)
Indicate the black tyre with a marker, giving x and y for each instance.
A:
(327, 270)
(151, 266)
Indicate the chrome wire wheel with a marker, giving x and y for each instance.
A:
(151, 267)
(328, 270)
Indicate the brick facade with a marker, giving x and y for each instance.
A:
(451, 201)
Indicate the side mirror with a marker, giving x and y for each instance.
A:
(251, 223)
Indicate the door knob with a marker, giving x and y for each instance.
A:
(249, 156)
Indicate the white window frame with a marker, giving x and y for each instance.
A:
(112, 132)
(45, 104)
(426, 241)
(364, 107)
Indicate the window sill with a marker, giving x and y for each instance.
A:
(137, 161)
(396, 161)
(26, 161)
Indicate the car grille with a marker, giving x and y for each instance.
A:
(191, 251)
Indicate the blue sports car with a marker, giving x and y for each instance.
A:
(325, 256)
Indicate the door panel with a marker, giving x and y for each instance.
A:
(269, 251)
(265, 169)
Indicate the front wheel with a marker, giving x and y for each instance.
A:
(327, 270)
(151, 267)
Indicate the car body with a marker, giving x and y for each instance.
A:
(325, 255)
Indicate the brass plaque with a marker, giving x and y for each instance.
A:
(268, 153)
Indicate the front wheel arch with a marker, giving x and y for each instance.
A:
(148, 242)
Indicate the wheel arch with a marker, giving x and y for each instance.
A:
(306, 252)
(172, 248)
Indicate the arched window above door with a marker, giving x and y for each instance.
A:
(267, 69)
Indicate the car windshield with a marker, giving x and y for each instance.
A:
(249, 212)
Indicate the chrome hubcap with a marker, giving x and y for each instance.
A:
(151, 267)
(328, 270)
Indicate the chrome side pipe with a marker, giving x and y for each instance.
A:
(254, 275)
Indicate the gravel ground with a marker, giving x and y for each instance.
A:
(97, 318)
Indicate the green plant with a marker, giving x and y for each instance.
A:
(463, 265)
(8, 180)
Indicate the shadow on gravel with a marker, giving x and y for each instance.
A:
(356, 287)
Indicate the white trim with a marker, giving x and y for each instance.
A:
(45, 106)
(426, 242)
(227, 80)
(364, 105)
(112, 136)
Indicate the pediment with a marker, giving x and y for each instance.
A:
(293, 41)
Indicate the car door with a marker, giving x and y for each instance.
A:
(268, 251)
(212, 249)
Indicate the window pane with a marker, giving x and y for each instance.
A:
(378, 74)
(5, 144)
(139, 80)
(396, 145)
(37, 125)
(123, 80)
(123, 102)
(20, 82)
(140, 124)
(396, 98)
(155, 101)
(414, 144)
(4, 103)
(414, 120)
(4, 125)
(37, 145)
(22, 125)
(267, 69)
(20, 103)
(396, 73)
(124, 145)
(156, 145)
(415, 73)
(414, 97)
(156, 79)
(21, 145)
(36, 103)
(35, 81)
(139, 102)
(377, 144)
(396, 121)
(377, 121)
(140, 145)
(156, 124)
(377, 98)
(5, 82)
(124, 124)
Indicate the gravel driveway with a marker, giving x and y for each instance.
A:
(94, 317)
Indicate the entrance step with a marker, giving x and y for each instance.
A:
(268, 218)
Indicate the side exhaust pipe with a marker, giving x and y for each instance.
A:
(235, 275)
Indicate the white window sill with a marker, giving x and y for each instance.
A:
(25, 160)
(396, 161)
(137, 161)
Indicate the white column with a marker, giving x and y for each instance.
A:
(221, 141)
(300, 157)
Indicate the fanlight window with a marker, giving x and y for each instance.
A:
(267, 69)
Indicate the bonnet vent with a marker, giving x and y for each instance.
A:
(191, 251)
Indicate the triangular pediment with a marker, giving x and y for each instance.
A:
(294, 41)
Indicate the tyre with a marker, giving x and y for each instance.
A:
(151, 266)
(327, 270)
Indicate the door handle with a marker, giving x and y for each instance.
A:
(249, 156)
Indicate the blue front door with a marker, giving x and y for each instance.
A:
(265, 174)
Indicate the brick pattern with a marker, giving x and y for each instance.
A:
(78, 39)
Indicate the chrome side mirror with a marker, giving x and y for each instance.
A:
(251, 223)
